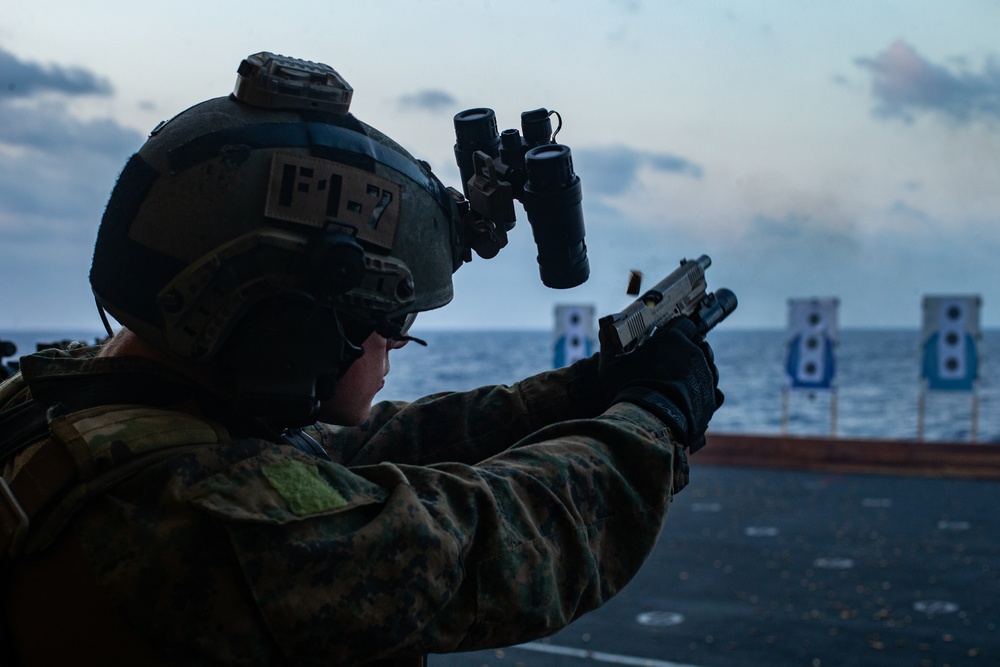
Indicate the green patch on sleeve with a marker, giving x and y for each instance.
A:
(303, 488)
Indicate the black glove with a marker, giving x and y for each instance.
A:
(672, 375)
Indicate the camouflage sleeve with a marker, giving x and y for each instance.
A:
(466, 427)
(347, 565)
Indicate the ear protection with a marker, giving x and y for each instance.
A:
(287, 351)
(335, 264)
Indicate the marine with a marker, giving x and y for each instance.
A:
(214, 485)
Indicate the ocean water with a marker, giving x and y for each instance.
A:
(877, 395)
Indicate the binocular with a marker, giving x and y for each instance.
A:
(529, 166)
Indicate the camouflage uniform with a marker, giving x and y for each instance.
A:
(457, 522)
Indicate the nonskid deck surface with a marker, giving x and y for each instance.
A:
(784, 567)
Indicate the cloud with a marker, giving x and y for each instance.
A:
(44, 186)
(905, 83)
(901, 217)
(612, 170)
(49, 128)
(21, 79)
(798, 230)
(55, 167)
(56, 171)
(434, 101)
(36, 124)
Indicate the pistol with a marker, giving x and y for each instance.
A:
(682, 293)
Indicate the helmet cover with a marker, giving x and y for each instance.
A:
(229, 204)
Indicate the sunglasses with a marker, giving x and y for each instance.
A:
(396, 330)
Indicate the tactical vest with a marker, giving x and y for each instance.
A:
(52, 465)
(83, 454)
(54, 460)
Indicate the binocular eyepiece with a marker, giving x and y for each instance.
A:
(499, 167)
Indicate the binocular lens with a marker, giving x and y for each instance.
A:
(554, 204)
(475, 130)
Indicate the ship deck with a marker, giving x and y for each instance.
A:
(799, 551)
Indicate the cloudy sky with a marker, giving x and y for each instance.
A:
(823, 148)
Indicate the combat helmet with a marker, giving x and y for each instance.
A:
(274, 231)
